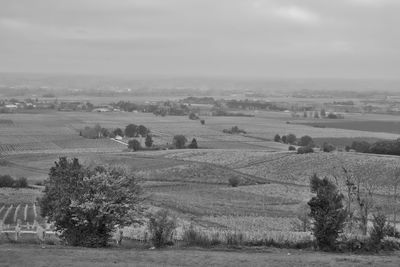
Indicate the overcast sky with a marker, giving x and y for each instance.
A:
(231, 38)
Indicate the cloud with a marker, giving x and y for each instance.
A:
(296, 14)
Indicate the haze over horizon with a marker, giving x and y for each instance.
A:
(178, 38)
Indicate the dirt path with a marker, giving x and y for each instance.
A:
(34, 255)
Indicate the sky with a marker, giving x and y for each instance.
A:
(227, 38)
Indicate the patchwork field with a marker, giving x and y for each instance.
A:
(193, 184)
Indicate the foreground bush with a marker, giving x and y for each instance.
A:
(161, 227)
(85, 203)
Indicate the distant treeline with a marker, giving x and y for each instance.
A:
(8, 181)
(386, 147)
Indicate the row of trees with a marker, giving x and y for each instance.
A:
(179, 142)
(388, 147)
(8, 181)
(291, 139)
(130, 130)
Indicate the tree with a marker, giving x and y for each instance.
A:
(85, 203)
(306, 140)
(179, 141)
(142, 130)
(305, 150)
(327, 211)
(361, 146)
(284, 139)
(119, 132)
(193, 144)
(277, 138)
(326, 147)
(131, 130)
(323, 113)
(149, 141)
(134, 145)
(291, 139)
(202, 122)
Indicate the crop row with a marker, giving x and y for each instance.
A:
(23, 213)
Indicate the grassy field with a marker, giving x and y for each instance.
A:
(33, 255)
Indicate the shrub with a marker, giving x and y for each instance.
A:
(305, 150)
(149, 141)
(234, 130)
(193, 144)
(85, 203)
(327, 212)
(326, 147)
(193, 116)
(292, 148)
(378, 231)
(192, 237)
(202, 122)
(161, 227)
(234, 181)
(179, 141)
(6, 181)
(391, 231)
(134, 145)
(277, 138)
(21, 182)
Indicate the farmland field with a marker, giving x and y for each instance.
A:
(193, 184)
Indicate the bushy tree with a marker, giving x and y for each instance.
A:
(326, 147)
(134, 145)
(161, 227)
(142, 130)
(361, 146)
(306, 140)
(327, 212)
(149, 141)
(6, 181)
(284, 139)
(305, 150)
(179, 141)
(193, 144)
(277, 138)
(291, 139)
(85, 203)
(131, 130)
(118, 131)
